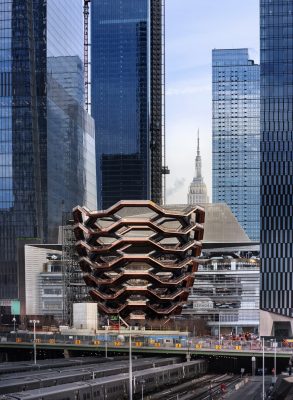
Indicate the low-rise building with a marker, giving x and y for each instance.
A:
(44, 283)
(52, 286)
(225, 293)
(226, 290)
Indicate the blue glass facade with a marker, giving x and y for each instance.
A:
(276, 46)
(64, 28)
(124, 92)
(236, 136)
(70, 142)
(22, 123)
(42, 122)
(70, 136)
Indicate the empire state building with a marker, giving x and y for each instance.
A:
(197, 193)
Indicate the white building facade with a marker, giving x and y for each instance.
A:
(44, 286)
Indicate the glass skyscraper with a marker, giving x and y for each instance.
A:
(71, 152)
(46, 138)
(236, 136)
(276, 46)
(126, 98)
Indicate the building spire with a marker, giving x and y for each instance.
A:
(197, 193)
(198, 159)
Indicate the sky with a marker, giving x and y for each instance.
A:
(193, 29)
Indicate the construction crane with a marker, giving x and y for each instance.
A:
(86, 51)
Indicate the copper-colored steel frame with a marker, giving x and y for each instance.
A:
(139, 274)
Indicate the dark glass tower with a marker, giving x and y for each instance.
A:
(126, 98)
(46, 138)
(236, 132)
(276, 46)
(22, 132)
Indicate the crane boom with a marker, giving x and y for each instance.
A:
(86, 51)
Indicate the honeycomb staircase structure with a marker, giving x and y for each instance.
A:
(138, 258)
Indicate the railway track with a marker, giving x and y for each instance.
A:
(187, 388)
(210, 391)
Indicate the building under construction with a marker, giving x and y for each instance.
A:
(127, 98)
(74, 288)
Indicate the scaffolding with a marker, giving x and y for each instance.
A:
(75, 290)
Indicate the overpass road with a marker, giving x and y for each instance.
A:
(139, 346)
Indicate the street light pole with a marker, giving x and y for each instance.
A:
(106, 342)
(263, 368)
(35, 321)
(219, 328)
(253, 360)
(14, 322)
(142, 383)
(130, 365)
(188, 350)
(275, 344)
(107, 327)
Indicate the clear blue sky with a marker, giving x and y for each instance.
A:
(193, 29)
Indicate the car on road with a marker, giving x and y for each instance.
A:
(259, 371)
